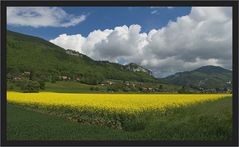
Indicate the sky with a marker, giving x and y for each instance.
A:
(165, 40)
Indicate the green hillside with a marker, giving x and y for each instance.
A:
(35, 59)
(45, 61)
(206, 77)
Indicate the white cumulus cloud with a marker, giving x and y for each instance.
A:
(203, 37)
(42, 17)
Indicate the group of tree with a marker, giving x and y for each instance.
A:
(31, 86)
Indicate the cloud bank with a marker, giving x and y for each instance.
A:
(42, 17)
(203, 37)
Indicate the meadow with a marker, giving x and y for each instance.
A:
(125, 116)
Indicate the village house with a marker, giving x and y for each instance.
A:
(107, 83)
(17, 78)
(26, 73)
(229, 82)
(110, 83)
(63, 77)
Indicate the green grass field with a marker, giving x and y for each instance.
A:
(71, 87)
(205, 121)
(77, 87)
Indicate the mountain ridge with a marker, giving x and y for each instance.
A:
(26, 53)
(206, 77)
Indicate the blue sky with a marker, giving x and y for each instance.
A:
(165, 40)
(108, 18)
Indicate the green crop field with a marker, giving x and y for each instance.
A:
(210, 120)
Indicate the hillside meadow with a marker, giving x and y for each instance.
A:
(69, 116)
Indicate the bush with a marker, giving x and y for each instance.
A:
(112, 89)
(30, 86)
(94, 88)
(141, 89)
(126, 89)
(184, 90)
(42, 85)
(92, 79)
(97, 89)
(10, 86)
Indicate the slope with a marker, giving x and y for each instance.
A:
(48, 61)
(203, 77)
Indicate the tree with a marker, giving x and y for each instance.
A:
(217, 89)
(97, 89)
(126, 89)
(30, 86)
(92, 79)
(31, 75)
(183, 90)
(225, 89)
(141, 89)
(91, 88)
(53, 78)
(42, 85)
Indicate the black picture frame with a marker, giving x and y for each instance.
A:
(233, 4)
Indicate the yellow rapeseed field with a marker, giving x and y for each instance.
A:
(113, 102)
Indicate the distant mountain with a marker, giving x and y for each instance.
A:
(49, 62)
(135, 68)
(204, 77)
